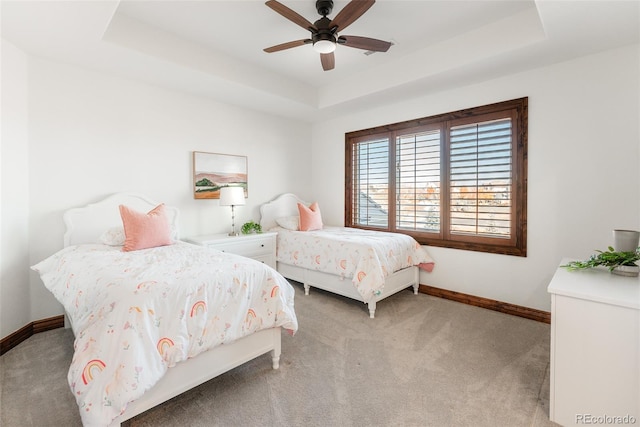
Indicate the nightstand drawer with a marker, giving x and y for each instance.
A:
(270, 260)
(261, 247)
(250, 249)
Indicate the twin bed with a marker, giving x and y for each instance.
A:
(364, 265)
(153, 323)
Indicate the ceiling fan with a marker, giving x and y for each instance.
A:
(324, 32)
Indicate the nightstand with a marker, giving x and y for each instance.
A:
(261, 247)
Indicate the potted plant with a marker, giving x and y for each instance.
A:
(251, 227)
(621, 263)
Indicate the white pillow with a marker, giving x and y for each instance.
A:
(113, 237)
(289, 222)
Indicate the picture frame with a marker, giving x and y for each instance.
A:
(212, 171)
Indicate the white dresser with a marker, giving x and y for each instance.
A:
(261, 247)
(595, 348)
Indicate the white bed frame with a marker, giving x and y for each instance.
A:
(85, 225)
(287, 205)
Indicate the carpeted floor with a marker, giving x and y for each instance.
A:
(423, 361)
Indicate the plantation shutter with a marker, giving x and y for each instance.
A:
(481, 179)
(418, 181)
(456, 180)
(370, 189)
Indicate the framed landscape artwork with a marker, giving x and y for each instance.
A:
(212, 171)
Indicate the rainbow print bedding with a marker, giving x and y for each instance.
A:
(136, 314)
(365, 256)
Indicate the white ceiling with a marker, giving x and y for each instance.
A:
(214, 48)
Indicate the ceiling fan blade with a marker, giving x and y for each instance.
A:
(350, 13)
(287, 45)
(365, 43)
(291, 15)
(328, 61)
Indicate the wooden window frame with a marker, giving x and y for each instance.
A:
(516, 244)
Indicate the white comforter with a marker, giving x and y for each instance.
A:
(135, 314)
(365, 256)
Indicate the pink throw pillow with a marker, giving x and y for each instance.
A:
(310, 217)
(144, 231)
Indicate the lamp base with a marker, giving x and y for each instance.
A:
(233, 233)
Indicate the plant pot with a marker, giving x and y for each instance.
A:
(626, 240)
(626, 270)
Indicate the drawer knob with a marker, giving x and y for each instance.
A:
(262, 245)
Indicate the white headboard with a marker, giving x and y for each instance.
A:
(283, 205)
(86, 224)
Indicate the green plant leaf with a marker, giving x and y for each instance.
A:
(609, 258)
(250, 227)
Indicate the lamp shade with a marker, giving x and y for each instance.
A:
(231, 196)
(324, 46)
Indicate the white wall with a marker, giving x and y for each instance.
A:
(14, 181)
(91, 135)
(583, 169)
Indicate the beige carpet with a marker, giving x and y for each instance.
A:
(423, 361)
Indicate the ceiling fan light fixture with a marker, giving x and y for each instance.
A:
(324, 46)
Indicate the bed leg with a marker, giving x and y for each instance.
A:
(275, 360)
(306, 288)
(416, 286)
(416, 280)
(372, 309)
(277, 348)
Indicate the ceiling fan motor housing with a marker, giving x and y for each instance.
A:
(324, 7)
(323, 32)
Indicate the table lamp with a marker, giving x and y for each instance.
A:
(232, 196)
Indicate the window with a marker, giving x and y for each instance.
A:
(456, 180)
